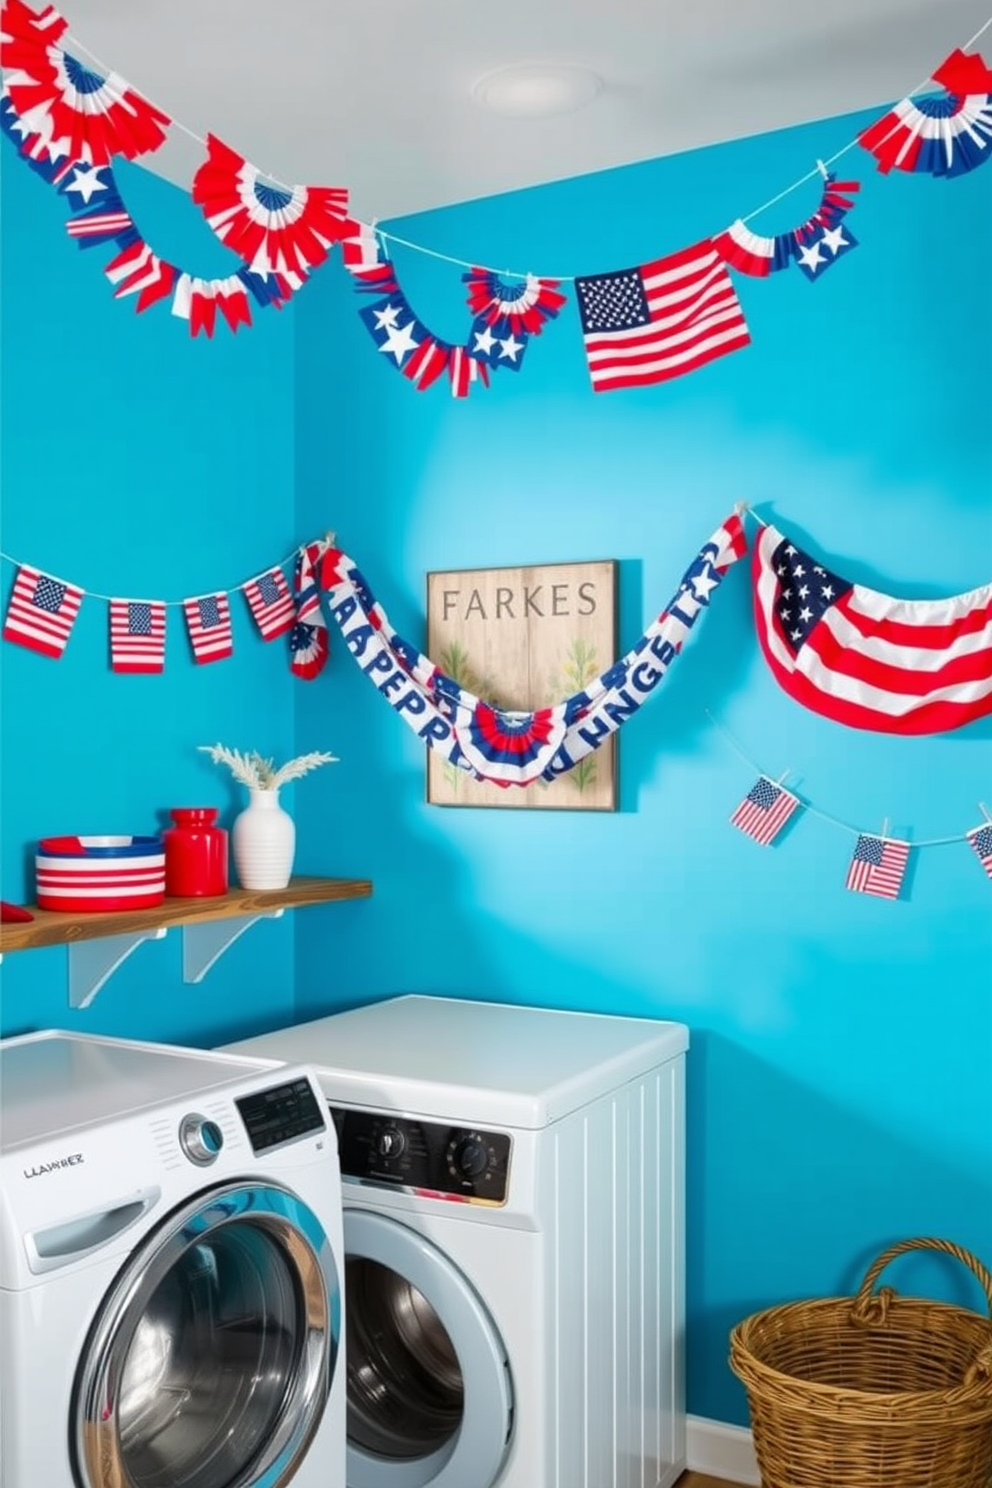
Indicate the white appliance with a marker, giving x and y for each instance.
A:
(170, 1270)
(513, 1183)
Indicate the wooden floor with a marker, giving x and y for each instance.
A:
(699, 1480)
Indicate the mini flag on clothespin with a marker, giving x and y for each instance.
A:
(980, 839)
(878, 865)
(271, 603)
(137, 635)
(208, 620)
(765, 810)
(41, 612)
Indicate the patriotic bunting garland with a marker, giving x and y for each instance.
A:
(72, 111)
(938, 135)
(208, 619)
(503, 325)
(867, 660)
(815, 245)
(41, 612)
(508, 747)
(764, 811)
(64, 116)
(308, 642)
(272, 230)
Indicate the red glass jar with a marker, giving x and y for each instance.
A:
(195, 853)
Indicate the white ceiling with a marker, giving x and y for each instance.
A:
(376, 95)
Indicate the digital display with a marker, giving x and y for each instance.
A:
(280, 1113)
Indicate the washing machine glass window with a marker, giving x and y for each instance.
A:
(211, 1359)
(429, 1390)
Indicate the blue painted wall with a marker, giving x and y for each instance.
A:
(838, 1089)
(838, 1078)
(135, 460)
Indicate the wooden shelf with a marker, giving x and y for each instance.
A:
(53, 927)
(98, 943)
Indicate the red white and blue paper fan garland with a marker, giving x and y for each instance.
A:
(505, 320)
(944, 134)
(273, 229)
(814, 245)
(99, 216)
(507, 316)
(72, 110)
(308, 643)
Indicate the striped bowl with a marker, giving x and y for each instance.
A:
(81, 874)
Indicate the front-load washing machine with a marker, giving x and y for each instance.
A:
(170, 1270)
(513, 1183)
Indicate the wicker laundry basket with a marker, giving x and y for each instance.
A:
(871, 1391)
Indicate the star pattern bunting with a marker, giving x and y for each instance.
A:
(764, 811)
(814, 245)
(869, 660)
(41, 612)
(878, 866)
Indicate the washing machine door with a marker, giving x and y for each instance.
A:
(211, 1359)
(429, 1394)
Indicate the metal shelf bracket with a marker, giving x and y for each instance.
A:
(91, 962)
(204, 944)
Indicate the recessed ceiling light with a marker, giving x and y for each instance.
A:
(533, 89)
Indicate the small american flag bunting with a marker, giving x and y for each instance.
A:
(41, 612)
(878, 866)
(271, 603)
(981, 841)
(137, 635)
(208, 620)
(765, 810)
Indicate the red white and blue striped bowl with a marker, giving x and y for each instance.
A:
(81, 874)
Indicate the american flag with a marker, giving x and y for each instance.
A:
(137, 635)
(41, 611)
(208, 620)
(878, 866)
(657, 321)
(981, 840)
(271, 603)
(765, 810)
(866, 660)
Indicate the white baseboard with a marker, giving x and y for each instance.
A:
(722, 1451)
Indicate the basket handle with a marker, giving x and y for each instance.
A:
(871, 1307)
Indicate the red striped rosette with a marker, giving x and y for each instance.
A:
(92, 874)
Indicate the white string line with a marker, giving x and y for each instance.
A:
(834, 821)
(466, 263)
(169, 603)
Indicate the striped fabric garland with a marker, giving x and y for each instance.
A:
(507, 747)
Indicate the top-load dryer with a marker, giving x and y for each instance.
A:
(170, 1270)
(513, 1185)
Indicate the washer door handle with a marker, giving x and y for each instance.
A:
(75, 1238)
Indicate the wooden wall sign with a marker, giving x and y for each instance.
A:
(525, 638)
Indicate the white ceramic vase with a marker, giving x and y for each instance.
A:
(263, 840)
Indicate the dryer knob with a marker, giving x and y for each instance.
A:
(469, 1157)
(200, 1139)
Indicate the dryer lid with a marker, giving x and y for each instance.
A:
(473, 1062)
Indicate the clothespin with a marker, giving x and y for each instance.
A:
(782, 777)
(885, 827)
(985, 812)
(740, 508)
(822, 169)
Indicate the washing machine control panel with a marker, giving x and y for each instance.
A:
(280, 1113)
(428, 1158)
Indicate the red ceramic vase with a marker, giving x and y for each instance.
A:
(195, 853)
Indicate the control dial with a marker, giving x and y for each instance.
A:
(469, 1156)
(200, 1139)
(390, 1142)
